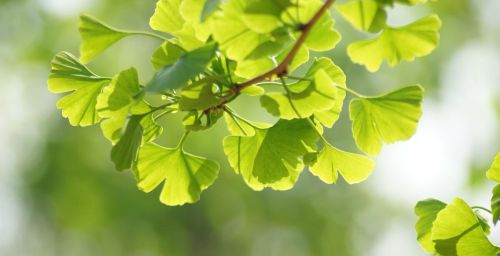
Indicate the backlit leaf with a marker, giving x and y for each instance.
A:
(365, 15)
(494, 172)
(386, 119)
(96, 37)
(427, 211)
(331, 161)
(184, 175)
(271, 157)
(395, 44)
(69, 75)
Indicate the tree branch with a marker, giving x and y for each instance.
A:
(282, 68)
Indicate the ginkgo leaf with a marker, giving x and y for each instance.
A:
(494, 172)
(209, 7)
(427, 211)
(271, 157)
(365, 15)
(323, 36)
(457, 231)
(307, 97)
(386, 119)
(166, 54)
(69, 75)
(186, 67)
(184, 175)
(124, 153)
(238, 126)
(253, 90)
(96, 37)
(242, 40)
(182, 20)
(330, 161)
(495, 204)
(119, 100)
(394, 44)
(200, 95)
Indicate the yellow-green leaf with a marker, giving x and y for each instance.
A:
(69, 75)
(394, 44)
(494, 172)
(184, 175)
(386, 119)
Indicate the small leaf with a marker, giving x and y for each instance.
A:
(186, 68)
(393, 44)
(166, 54)
(69, 75)
(457, 231)
(167, 17)
(253, 90)
(316, 94)
(494, 172)
(427, 211)
(323, 36)
(495, 204)
(365, 15)
(386, 119)
(124, 153)
(118, 101)
(330, 161)
(96, 36)
(271, 157)
(199, 96)
(184, 175)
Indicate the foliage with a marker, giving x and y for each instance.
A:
(218, 50)
(457, 229)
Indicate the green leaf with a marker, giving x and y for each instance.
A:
(69, 75)
(167, 54)
(495, 204)
(365, 15)
(494, 172)
(330, 161)
(323, 36)
(185, 175)
(394, 44)
(200, 95)
(386, 119)
(208, 8)
(186, 68)
(238, 126)
(201, 120)
(241, 39)
(167, 17)
(317, 94)
(96, 37)
(427, 211)
(253, 90)
(457, 231)
(117, 101)
(271, 157)
(124, 153)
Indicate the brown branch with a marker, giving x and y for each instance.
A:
(282, 68)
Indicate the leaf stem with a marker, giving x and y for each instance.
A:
(482, 208)
(282, 68)
(145, 33)
(183, 139)
(351, 91)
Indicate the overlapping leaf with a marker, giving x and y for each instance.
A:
(395, 44)
(185, 68)
(271, 157)
(427, 211)
(319, 93)
(69, 75)
(184, 175)
(167, 54)
(365, 15)
(386, 119)
(457, 231)
(330, 161)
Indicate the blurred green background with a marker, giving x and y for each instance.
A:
(59, 193)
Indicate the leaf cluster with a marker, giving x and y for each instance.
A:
(457, 229)
(213, 51)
